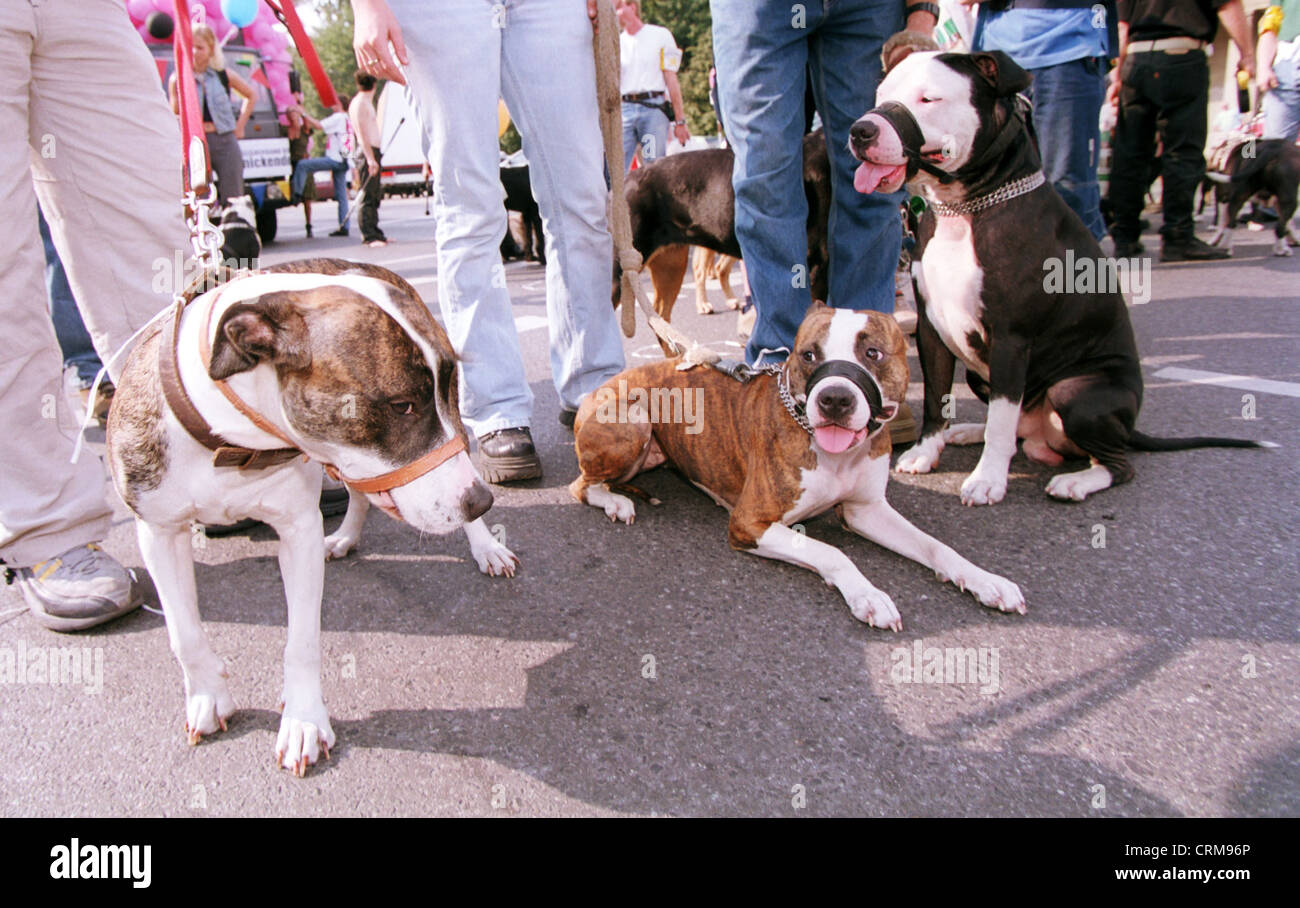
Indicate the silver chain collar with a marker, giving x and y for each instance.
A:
(1003, 193)
(787, 399)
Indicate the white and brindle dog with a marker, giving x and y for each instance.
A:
(335, 360)
(779, 449)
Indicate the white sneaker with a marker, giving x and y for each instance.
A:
(80, 588)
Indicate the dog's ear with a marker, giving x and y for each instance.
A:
(268, 329)
(1001, 72)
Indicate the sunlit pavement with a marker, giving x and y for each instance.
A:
(651, 670)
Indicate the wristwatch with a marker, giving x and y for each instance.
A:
(931, 8)
(679, 122)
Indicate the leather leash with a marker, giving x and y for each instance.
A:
(227, 455)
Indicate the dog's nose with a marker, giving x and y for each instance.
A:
(476, 501)
(863, 133)
(835, 403)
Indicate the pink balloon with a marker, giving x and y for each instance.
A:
(138, 10)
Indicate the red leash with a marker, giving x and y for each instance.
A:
(196, 170)
(286, 14)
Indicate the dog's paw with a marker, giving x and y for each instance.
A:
(921, 457)
(616, 507)
(966, 433)
(982, 489)
(302, 740)
(338, 545)
(1078, 486)
(733, 302)
(704, 308)
(1281, 248)
(208, 705)
(992, 591)
(496, 560)
(871, 606)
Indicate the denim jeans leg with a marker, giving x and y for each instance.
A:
(74, 339)
(762, 61)
(1281, 105)
(455, 79)
(630, 132)
(1067, 106)
(865, 232)
(548, 80)
(340, 169)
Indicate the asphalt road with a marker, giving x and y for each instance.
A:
(1156, 673)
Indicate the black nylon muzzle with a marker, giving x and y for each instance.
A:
(909, 133)
(860, 377)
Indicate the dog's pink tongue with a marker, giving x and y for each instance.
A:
(868, 175)
(834, 439)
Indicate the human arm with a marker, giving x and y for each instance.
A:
(250, 96)
(1266, 50)
(377, 40)
(675, 95)
(1233, 18)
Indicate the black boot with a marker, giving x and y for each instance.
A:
(508, 455)
(1190, 249)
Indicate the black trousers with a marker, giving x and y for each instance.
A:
(371, 193)
(1160, 94)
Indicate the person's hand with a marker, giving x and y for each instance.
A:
(371, 163)
(1247, 65)
(681, 132)
(1112, 90)
(239, 130)
(375, 29)
(591, 14)
(1265, 78)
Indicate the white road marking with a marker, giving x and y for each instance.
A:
(1241, 382)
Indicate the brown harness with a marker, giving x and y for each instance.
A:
(226, 454)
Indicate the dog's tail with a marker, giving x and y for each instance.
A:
(1141, 442)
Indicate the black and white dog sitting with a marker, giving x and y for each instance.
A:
(1058, 370)
(1264, 168)
(239, 239)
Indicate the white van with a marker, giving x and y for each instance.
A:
(401, 142)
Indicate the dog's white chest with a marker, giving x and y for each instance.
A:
(836, 479)
(953, 281)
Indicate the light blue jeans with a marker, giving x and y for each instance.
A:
(339, 169)
(765, 51)
(1282, 104)
(644, 127)
(537, 56)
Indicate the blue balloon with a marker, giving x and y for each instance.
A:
(239, 12)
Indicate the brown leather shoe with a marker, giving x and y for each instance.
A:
(902, 428)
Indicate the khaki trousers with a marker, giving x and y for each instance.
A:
(85, 126)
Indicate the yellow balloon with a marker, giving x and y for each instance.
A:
(503, 118)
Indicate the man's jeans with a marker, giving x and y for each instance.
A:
(74, 339)
(765, 52)
(1282, 104)
(339, 169)
(537, 55)
(1067, 105)
(1165, 92)
(644, 127)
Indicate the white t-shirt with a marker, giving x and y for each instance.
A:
(337, 146)
(645, 56)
